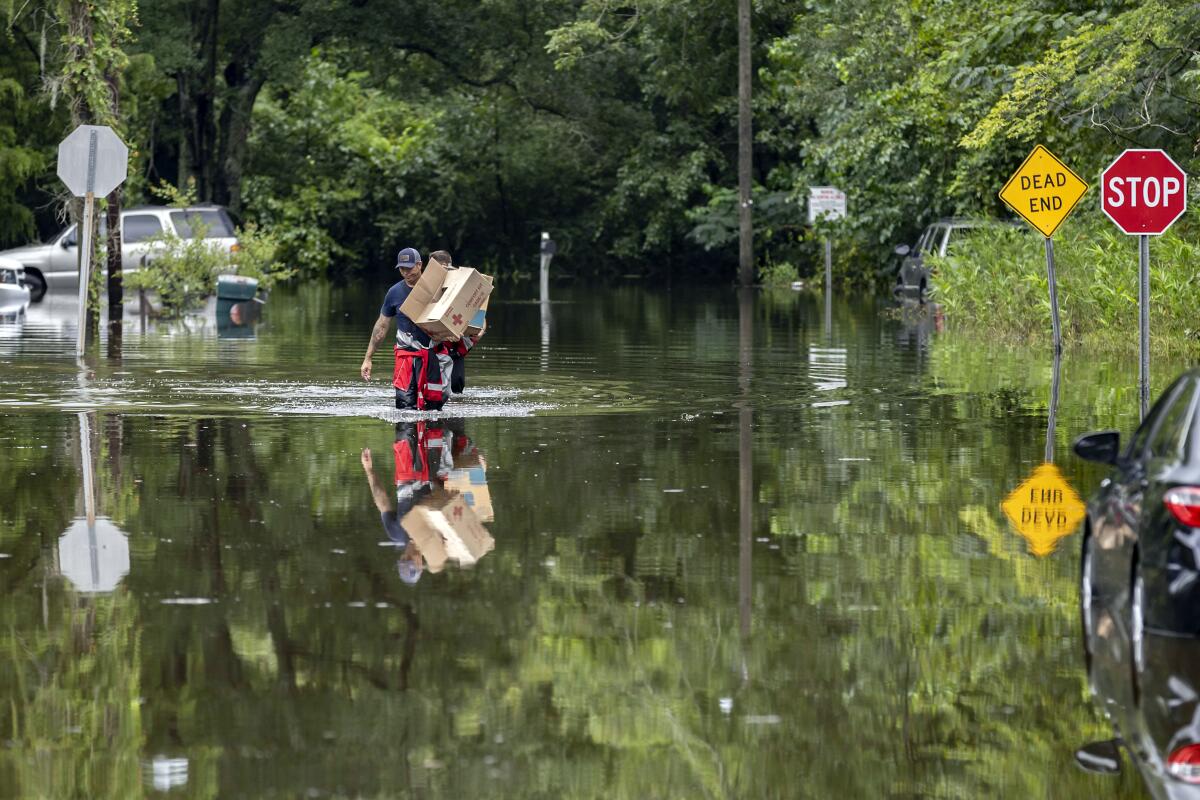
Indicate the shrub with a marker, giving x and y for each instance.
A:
(183, 272)
(994, 281)
(774, 274)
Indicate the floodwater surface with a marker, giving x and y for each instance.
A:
(666, 545)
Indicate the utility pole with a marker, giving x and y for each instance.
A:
(745, 147)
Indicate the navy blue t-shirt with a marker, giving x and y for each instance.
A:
(395, 531)
(391, 308)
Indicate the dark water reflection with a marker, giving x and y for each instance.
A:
(731, 555)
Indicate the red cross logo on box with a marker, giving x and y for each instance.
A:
(456, 319)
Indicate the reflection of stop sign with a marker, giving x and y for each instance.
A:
(1143, 191)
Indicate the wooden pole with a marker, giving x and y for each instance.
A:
(745, 150)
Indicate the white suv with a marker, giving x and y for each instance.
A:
(55, 266)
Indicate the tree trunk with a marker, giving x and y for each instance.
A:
(116, 296)
(116, 291)
(745, 145)
(235, 134)
(197, 103)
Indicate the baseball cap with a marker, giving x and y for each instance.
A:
(410, 571)
(407, 258)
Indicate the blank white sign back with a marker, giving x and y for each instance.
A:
(92, 159)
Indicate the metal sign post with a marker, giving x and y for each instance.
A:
(548, 250)
(1143, 192)
(1144, 323)
(1052, 279)
(547, 253)
(827, 203)
(85, 266)
(92, 161)
(1043, 191)
(828, 287)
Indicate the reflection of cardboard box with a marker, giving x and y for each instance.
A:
(423, 531)
(445, 301)
(475, 326)
(472, 484)
(444, 527)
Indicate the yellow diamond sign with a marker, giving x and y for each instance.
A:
(1044, 509)
(1043, 191)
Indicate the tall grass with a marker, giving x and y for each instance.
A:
(993, 281)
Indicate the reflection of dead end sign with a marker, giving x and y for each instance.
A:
(1044, 509)
(94, 558)
(1043, 191)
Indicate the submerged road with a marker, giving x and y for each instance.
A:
(710, 549)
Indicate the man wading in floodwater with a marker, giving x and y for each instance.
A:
(451, 355)
(418, 377)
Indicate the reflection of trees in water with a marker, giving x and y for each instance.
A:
(905, 646)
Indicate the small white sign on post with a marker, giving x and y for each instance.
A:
(92, 161)
(825, 202)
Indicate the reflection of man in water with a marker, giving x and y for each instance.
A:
(422, 462)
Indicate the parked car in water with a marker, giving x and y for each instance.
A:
(914, 277)
(1152, 701)
(1142, 531)
(55, 266)
(13, 291)
(1140, 591)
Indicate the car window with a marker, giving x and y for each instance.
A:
(139, 227)
(1141, 438)
(214, 220)
(920, 248)
(933, 242)
(956, 233)
(8, 276)
(1167, 439)
(69, 239)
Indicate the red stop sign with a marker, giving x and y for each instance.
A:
(1143, 191)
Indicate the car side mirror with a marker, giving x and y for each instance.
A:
(1101, 446)
(1100, 758)
(902, 250)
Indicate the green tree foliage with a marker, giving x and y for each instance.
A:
(351, 129)
(25, 149)
(336, 162)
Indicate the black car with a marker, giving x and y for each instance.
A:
(1154, 708)
(1140, 585)
(1142, 534)
(914, 277)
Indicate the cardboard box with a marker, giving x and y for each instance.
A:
(462, 294)
(472, 485)
(444, 301)
(475, 326)
(422, 295)
(444, 527)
